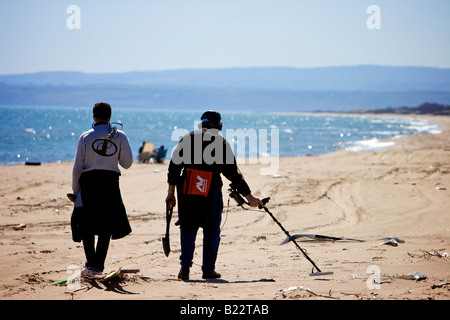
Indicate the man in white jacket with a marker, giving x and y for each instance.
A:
(99, 209)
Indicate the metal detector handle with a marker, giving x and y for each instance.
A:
(240, 199)
(264, 201)
(237, 196)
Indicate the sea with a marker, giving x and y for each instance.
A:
(50, 134)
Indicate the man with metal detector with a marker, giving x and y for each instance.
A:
(194, 171)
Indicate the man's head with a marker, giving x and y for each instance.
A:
(102, 111)
(211, 120)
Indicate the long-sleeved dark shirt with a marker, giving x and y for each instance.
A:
(206, 150)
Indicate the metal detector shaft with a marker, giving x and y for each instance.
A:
(292, 239)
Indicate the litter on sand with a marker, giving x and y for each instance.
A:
(390, 242)
(317, 237)
(20, 226)
(437, 254)
(392, 238)
(382, 281)
(101, 277)
(412, 276)
(113, 274)
(289, 289)
(294, 289)
(54, 283)
(440, 285)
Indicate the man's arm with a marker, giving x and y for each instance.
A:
(175, 167)
(170, 199)
(78, 165)
(254, 202)
(125, 156)
(232, 173)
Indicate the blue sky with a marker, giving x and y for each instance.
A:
(145, 35)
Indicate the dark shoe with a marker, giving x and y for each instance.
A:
(184, 273)
(211, 275)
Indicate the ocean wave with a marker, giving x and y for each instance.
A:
(368, 145)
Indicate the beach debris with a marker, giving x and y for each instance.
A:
(113, 274)
(54, 283)
(441, 188)
(393, 238)
(321, 295)
(391, 241)
(440, 285)
(289, 289)
(437, 254)
(259, 238)
(414, 275)
(317, 237)
(413, 255)
(20, 226)
(123, 271)
(295, 290)
(32, 163)
(429, 254)
(291, 292)
(379, 281)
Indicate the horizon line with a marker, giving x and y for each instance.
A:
(223, 68)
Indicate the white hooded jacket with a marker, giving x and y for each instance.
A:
(98, 151)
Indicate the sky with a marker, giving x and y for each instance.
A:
(147, 35)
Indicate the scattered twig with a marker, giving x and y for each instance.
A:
(320, 295)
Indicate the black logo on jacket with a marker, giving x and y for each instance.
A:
(104, 147)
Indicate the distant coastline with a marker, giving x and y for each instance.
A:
(426, 108)
(326, 89)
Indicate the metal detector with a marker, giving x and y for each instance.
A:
(241, 201)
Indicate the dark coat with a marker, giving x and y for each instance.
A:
(103, 211)
(207, 151)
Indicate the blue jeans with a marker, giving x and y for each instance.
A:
(211, 236)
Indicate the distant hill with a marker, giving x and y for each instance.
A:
(250, 89)
(424, 108)
(352, 78)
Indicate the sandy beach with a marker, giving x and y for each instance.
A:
(402, 191)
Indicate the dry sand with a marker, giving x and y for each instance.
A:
(363, 195)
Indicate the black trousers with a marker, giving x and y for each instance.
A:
(96, 255)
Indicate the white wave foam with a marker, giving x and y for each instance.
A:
(423, 127)
(368, 145)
